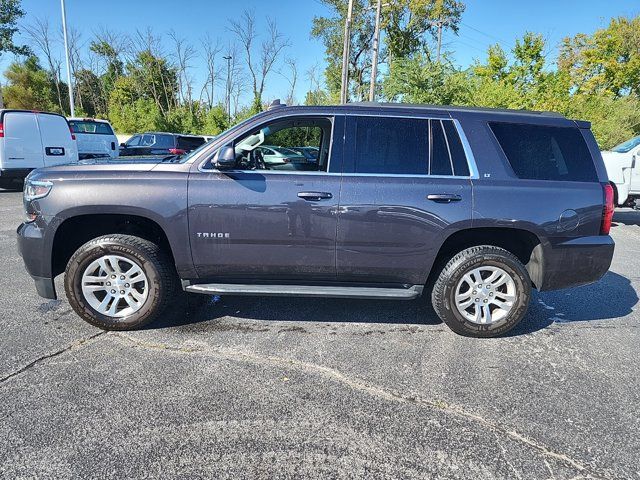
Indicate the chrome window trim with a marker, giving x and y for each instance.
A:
(471, 161)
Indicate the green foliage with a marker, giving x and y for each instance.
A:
(10, 13)
(407, 22)
(607, 62)
(29, 86)
(418, 80)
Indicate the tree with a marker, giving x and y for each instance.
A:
(330, 30)
(29, 87)
(407, 23)
(10, 13)
(606, 62)
(270, 51)
(40, 36)
(420, 80)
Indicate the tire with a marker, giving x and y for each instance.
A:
(455, 279)
(96, 259)
(13, 185)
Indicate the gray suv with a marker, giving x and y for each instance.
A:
(469, 207)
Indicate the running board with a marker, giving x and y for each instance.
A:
(307, 291)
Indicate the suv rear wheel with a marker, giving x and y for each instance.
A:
(482, 292)
(119, 282)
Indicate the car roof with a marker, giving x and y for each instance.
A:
(172, 134)
(87, 119)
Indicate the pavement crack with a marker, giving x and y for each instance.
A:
(371, 389)
(77, 344)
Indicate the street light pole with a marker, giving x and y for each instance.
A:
(344, 91)
(228, 59)
(66, 52)
(376, 48)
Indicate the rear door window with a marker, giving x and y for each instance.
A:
(405, 146)
(538, 152)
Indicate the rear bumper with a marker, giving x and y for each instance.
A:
(575, 262)
(33, 250)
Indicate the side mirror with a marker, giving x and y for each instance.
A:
(123, 145)
(226, 158)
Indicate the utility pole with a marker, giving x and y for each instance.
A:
(66, 52)
(344, 92)
(375, 53)
(228, 59)
(441, 23)
(439, 40)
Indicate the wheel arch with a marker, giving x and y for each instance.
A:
(77, 230)
(524, 244)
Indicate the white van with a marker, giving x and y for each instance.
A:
(623, 169)
(95, 138)
(30, 140)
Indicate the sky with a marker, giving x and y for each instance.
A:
(484, 22)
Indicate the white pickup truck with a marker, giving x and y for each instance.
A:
(623, 168)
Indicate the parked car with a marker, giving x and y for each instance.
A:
(469, 207)
(310, 153)
(623, 169)
(95, 138)
(30, 140)
(280, 158)
(160, 144)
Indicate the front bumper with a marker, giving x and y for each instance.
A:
(35, 252)
(576, 262)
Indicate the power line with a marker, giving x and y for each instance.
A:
(504, 43)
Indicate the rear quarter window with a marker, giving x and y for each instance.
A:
(538, 152)
(190, 143)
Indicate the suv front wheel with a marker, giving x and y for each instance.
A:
(119, 282)
(483, 291)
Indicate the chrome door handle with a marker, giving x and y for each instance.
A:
(315, 196)
(444, 197)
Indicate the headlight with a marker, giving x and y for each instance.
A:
(34, 189)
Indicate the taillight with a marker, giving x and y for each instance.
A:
(177, 151)
(607, 210)
(73, 135)
(1, 130)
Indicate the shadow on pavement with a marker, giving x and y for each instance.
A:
(612, 297)
(626, 217)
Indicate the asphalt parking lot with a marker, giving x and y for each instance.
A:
(312, 388)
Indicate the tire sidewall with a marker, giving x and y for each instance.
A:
(459, 323)
(73, 285)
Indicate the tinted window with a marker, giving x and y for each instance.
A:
(440, 160)
(163, 141)
(391, 145)
(190, 143)
(545, 153)
(458, 157)
(88, 126)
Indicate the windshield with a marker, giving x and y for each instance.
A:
(628, 145)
